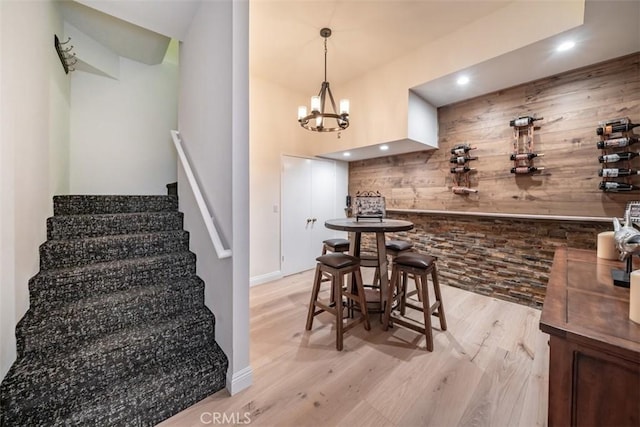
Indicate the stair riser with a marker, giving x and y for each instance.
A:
(81, 205)
(50, 291)
(76, 253)
(95, 369)
(65, 331)
(81, 226)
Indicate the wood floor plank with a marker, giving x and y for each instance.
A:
(489, 368)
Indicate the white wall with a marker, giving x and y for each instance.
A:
(270, 138)
(120, 142)
(34, 99)
(213, 124)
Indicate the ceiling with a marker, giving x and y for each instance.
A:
(286, 47)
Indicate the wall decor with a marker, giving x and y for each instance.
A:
(523, 154)
(67, 58)
(616, 170)
(461, 158)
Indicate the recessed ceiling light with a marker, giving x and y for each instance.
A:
(462, 80)
(384, 147)
(346, 154)
(565, 46)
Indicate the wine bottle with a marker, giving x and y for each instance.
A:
(614, 172)
(462, 149)
(463, 190)
(523, 121)
(462, 169)
(615, 187)
(524, 156)
(617, 142)
(616, 157)
(461, 160)
(622, 127)
(526, 169)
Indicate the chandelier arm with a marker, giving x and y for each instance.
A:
(333, 103)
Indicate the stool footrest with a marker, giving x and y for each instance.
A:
(432, 310)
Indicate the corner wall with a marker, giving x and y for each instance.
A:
(213, 124)
(34, 109)
(270, 139)
(120, 142)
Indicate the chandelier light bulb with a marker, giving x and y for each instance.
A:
(302, 112)
(315, 104)
(344, 106)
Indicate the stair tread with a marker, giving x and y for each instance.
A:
(78, 204)
(91, 225)
(110, 265)
(126, 295)
(63, 325)
(115, 237)
(101, 355)
(144, 399)
(89, 250)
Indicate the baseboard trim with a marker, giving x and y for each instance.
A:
(265, 278)
(240, 380)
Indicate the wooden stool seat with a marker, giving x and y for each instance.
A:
(335, 245)
(397, 246)
(418, 266)
(337, 265)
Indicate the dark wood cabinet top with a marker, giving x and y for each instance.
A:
(583, 306)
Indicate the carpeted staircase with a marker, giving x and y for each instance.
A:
(117, 332)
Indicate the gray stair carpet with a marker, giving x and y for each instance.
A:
(117, 332)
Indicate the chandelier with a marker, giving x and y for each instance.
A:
(320, 119)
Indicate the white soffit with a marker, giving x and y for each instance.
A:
(595, 42)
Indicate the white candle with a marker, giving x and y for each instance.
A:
(634, 296)
(607, 246)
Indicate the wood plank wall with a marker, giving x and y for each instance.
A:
(510, 259)
(571, 103)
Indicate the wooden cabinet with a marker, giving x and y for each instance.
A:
(594, 367)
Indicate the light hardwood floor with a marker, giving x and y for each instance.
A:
(490, 368)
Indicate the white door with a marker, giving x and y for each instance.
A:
(323, 202)
(296, 215)
(309, 198)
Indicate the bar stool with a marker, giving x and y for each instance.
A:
(397, 247)
(337, 265)
(420, 266)
(335, 245)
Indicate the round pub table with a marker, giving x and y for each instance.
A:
(356, 228)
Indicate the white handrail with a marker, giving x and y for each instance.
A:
(204, 211)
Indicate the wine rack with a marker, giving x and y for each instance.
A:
(523, 154)
(460, 169)
(616, 137)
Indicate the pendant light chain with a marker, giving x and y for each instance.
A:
(325, 59)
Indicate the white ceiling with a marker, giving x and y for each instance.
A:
(596, 41)
(120, 37)
(286, 47)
